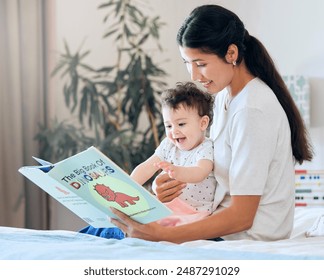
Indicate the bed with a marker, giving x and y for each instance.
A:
(306, 243)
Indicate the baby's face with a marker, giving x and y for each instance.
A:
(184, 127)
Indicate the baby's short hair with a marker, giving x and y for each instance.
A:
(190, 96)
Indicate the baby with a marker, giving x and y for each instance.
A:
(186, 154)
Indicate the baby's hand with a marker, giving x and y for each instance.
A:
(167, 167)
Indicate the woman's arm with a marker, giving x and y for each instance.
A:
(237, 217)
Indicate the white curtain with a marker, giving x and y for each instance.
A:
(23, 79)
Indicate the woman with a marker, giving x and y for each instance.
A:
(258, 135)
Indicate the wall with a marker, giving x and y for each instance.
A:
(291, 30)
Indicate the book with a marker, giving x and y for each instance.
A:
(89, 183)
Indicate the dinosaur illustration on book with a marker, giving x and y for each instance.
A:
(121, 198)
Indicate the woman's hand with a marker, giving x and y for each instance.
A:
(131, 228)
(167, 188)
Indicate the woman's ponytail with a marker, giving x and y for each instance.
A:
(260, 64)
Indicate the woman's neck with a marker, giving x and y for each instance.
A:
(241, 78)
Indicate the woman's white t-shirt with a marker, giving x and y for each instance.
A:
(253, 156)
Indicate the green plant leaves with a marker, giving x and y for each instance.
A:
(118, 105)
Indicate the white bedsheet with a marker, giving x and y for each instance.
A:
(26, 244)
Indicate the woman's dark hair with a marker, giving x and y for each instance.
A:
(190, 96)
(212, 29)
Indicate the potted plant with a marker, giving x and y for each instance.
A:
(118, 105)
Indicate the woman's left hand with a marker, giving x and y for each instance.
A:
(134, 229)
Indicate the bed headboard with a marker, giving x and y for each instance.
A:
(309, 188)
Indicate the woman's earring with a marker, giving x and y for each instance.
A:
(234, 63)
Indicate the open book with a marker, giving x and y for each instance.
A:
(89, 183)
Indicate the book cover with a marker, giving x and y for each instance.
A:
(89, 183)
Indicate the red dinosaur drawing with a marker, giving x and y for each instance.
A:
(118, 197)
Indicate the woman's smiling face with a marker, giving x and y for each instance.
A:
(208, 69)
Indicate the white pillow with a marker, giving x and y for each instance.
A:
(305, 219)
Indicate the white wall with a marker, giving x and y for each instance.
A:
(291, 30)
